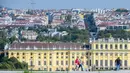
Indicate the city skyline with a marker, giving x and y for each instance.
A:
(65, 4)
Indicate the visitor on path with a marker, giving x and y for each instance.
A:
(118, 63)
(80, 64)
(77, 63)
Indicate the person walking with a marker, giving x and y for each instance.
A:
(77, 63)
(118, 63)
(80, 65)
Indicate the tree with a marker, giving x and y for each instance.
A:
(13, 59)
(121, 10)
(12, 63)
(4, 59)
(5, 65)
(19, 65)
(12, 39)
(23, 39)
(25, 65)
(114, 34)
(40, 38)
(68, 18)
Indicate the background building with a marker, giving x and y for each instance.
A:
(49, 56)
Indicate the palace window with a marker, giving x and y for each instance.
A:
(86, 53)
(120, 54)
(96, 62)
(116, 46)
(96, 53)
(66, 62)
(50, 69)
(101, 62)
(31, 53)
(120, 46)
(44, 53)
(12, 53)
(90, 62)
(17, 53)
(86, 62)
(61, 57)
(39, 62)
(61, 62)
(116, 54)
(45, 69)
(72, 62)
(125, 54)
(126, 46)
(44, 62)
(96, 46)
(82, 57)
(57, 62)
(90, 54)
(106, 62)
(111, 63)
(125, 63)
(106, 54)
(73, 53)
(101, 46)
(31, 63)
(50, 63)
(23, 53)
(106, 47)
(66, 53)
(62, 53)
(111, 47)
(111, 54)
(57, 53)
(101, 54)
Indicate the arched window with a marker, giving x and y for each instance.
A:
(17, 53)
(12, 53)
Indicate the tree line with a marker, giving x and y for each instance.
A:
(114, 33)
(12, 64)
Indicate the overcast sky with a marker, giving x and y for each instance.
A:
(61, 4)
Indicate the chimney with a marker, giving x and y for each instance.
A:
(128, 39)
(122, 40)
(118, 39)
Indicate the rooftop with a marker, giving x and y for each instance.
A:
(45, 46)
(110, 40)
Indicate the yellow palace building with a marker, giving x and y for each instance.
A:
(106, 51)
(48, 56)
(101, 54)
